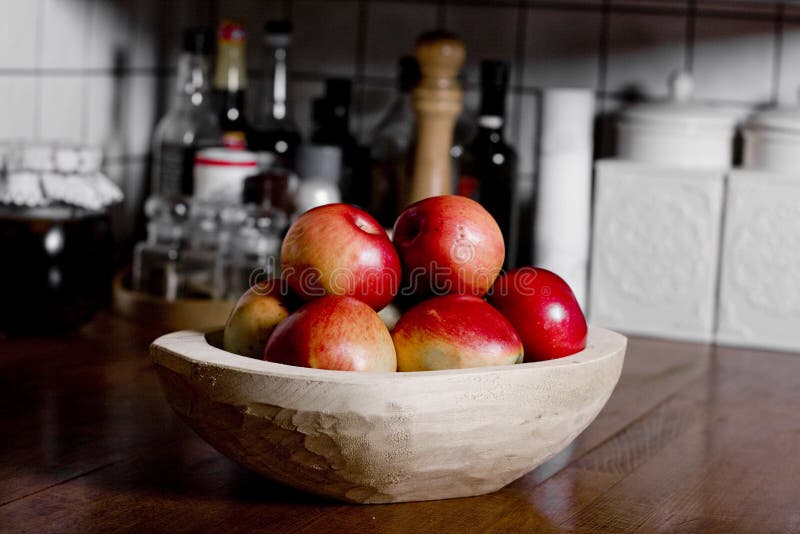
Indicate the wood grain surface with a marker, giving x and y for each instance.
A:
(694, 438)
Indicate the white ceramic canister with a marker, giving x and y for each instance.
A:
(772, 140)
(219, 174)
(678, 132)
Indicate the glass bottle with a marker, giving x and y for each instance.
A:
(331, 116)
(230, 84)
(157, 262)
(274, 129)
(391, 142)
(254, 251)
(489, 164)
(191, 122)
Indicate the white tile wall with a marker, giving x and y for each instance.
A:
(325, 36)
(57, 57)
(562, 48)
(61, 115)
(64, 34)
(392, 30)
(643, 51)
(18, 107)
(487, 32)
(19, 33)
(733, 59)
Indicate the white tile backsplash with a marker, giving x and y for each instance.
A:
(733, 59)
(562, 48)
(108, 33)
(61, 113)
(789, 82)
(18, 107)
(325, 36)
(643, 51)
(488, 33)
(392, 31)
(65, 34)
(19, 32)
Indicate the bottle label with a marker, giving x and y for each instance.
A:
(176, 170)
(235, 140)
(469, 186)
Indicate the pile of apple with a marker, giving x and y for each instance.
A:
(339, 269)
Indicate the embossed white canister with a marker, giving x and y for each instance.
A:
(655, 249)
(772, 140)
(678, 132)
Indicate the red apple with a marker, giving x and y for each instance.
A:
(448, 244)
(544, 311)
(454, 332)
(256, 314)
(332, 332)
(338, 249)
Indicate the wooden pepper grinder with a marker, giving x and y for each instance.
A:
(437, 102)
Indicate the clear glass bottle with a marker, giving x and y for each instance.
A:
(191, 122)
(157, 262)
(391, 143)
(274, 129)
(254, 251)
(203, 237)
(489, 164)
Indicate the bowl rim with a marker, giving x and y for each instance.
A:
(193, 347)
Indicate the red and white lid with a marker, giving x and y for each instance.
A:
(225, 157)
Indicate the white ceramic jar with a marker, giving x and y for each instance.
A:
(219, 174)
(772, 140)
(678, 132)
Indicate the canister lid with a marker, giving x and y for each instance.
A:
(681, 111)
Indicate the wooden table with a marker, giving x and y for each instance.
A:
(694, 438)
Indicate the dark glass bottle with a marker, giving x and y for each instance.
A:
(489, 164)
(331, 116)
(230, 84)
(190, 124)
(390, 145)
(274, 129)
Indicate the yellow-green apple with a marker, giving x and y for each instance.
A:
(544, 311)
(338, 249)
(448, 244)
(454, 332)
(256, 314)
(333, 332)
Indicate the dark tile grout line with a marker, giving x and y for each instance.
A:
(777, 51)
(37, 111)
(519, 59)
(691, 34)
(360, 61)
(84, 126)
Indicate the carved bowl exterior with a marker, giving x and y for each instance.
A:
(386, 437)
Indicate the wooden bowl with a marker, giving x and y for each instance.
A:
(386, 437)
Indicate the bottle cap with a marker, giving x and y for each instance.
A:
(278, 33)
(337, 92)
(320, 162)
(408, 73)
(494, 83)
(198, 41)
(232, 31)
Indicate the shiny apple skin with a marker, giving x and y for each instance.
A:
(543, 310)
(338, 249)
(454, 332)
(256, 314)
(448, 244)
(333, 332)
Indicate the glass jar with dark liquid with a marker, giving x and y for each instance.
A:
(55, 268)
